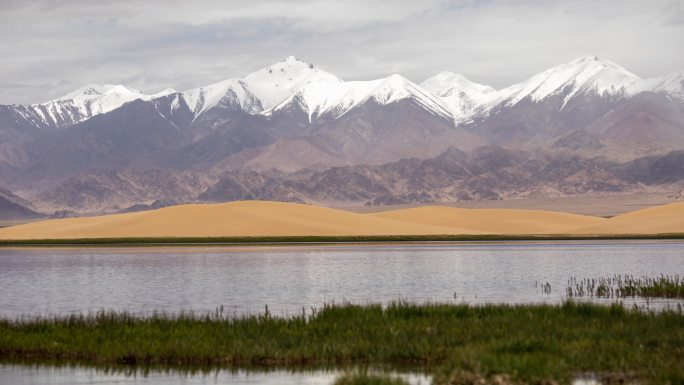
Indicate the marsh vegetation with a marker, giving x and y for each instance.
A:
(530, 342)
(626, 286)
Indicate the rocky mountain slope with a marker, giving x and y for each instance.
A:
(487, 173)
(13, 207)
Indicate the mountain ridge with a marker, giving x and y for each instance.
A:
(564, 131)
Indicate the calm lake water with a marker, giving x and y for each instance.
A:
(46, 281)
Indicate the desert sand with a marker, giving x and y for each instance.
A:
(259, 219)
(498, 221)
(246, 218)
(654, 220)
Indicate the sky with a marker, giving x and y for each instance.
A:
(50, 47)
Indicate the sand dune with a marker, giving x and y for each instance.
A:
(654, 220)
(247, 218)
(499, 221)
(258, 218)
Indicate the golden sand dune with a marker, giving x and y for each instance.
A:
(259, 218)
(498, 221)
(655, 220)
(247, 218)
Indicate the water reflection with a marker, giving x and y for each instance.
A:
(65, 375)
(287, 279)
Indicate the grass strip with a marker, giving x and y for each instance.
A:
(530, 343)
(203, 241)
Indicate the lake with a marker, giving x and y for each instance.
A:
(292, 279)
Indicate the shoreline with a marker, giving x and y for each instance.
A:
(328, 240)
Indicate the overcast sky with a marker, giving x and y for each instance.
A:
(49, 47)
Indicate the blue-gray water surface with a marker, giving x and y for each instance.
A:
(47, 281)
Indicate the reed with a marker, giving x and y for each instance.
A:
(627, 286)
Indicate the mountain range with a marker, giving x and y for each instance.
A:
(294, 132)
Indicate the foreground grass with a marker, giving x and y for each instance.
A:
(530, 343)
(203, 241)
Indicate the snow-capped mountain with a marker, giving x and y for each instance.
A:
(461, 95)
(258, 91)
(291, 116)
(231, 93)
(333, 98)
(276, 82)
(83, 103)
(292, 82)
(588, 75)
(574, 96)
(95, 99)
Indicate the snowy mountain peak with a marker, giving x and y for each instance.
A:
(336, 98)
(588, 74)
(594, 63)
(587, 59)
(81, 104)
(446, 82)
(164, 92)
(392, 88)
(291, 59)
(276, 82)
(461, 95)
(90, 91)
(232, 93)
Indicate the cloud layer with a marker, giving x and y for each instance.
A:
(50, 47)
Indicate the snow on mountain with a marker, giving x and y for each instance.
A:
(335, 98)
(396, 87)
(671, 85)
(461, 95)
(96, 99)
(275, 83)
(320, 93)
(445, 81)
(232, 92)
(258, 91)
(162, 93)
(585, 75)
(84, 103)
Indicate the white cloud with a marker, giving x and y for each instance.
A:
(50, 47)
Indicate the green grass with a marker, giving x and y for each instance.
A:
(202, 241)
(530, 343)
(368, 379)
